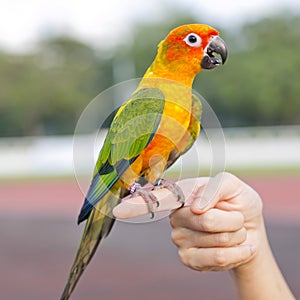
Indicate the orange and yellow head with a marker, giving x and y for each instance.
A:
(188, 49)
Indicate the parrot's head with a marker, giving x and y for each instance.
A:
(190, 48)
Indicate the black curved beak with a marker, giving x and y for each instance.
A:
(215, 46)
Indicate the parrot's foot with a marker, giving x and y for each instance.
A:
(171, 186)
(145, 192)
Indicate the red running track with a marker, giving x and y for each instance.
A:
(39, 238)
(280, 195)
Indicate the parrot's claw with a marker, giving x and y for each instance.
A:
(171, 186)
(145, 192)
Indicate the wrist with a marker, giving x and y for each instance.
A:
(260, 277)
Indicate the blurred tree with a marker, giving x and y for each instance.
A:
(260, 84)
(45, 92)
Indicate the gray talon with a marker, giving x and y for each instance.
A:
(171, 186)
(145, 192)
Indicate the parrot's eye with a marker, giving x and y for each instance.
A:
(193, 40)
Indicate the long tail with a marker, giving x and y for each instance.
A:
(98, 226)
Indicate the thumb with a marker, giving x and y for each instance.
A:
(203, 199)
(218, 188)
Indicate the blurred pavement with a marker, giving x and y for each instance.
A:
(39, 238)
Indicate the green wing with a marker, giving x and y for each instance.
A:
(191, 134)
(132, 129)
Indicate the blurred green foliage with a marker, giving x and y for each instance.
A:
(44, 92)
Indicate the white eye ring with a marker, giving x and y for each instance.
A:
(193, 40)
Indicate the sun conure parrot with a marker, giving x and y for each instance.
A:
(148, 133)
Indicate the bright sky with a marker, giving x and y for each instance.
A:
(105, 21)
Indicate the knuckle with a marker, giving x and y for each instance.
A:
(239, 220)
(207, 222)
(177, 237)
(172, 221)
(178, 217)
(220, 258)
(183, 256)
(242, 218)
(254, 199)
(228, 178)
(258, 201)
(243, 233)
(223, 238)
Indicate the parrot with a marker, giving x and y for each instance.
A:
(157, 124)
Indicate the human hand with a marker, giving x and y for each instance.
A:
(223, 227)
(219, 226)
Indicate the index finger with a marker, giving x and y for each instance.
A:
(137, 206)
(214, 220)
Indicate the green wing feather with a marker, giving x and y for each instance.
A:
(133, 127)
